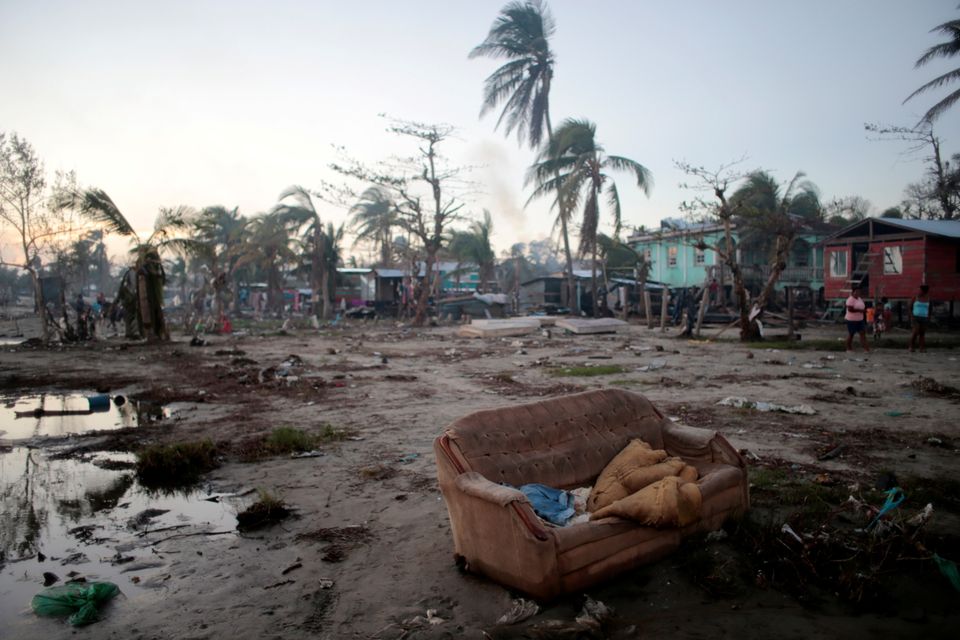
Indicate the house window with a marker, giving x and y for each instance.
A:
(893, 260)
(698, 257)
(672, 257)
(838, 264)
(648, 256)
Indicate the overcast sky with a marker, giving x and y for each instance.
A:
(229, 102)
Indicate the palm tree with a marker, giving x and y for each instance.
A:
(521, 34)
(620, 258)
(947, 49)
(300, 213)
(269, 248)
(515, 267)
(573, 165)
(770, 217)
(141, 289)
(374, 219)
(218, 244)
(473, 246)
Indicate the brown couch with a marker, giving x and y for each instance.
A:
(565, 443)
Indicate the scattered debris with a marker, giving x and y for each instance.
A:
(833, 453)
(743, 403)
(519, 611)
(930, 387)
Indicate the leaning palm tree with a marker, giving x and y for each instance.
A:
(473, 246)
(947, 49)
(374, 217)
(521, 34)
(769, 218)
(141, 288)
(299, 212)
(574, 166)
(269, 250)
(218, 242)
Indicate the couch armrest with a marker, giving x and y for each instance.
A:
(695, 443)
(474, 484)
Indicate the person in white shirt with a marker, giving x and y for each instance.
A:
(856, 319)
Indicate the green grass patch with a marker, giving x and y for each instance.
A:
(586, 372)
(268, 509)
(175, 464)
(330, 433)
(289, 440)
(778, 488)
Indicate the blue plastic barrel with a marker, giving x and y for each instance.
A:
(99, 402)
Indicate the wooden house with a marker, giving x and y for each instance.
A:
(889, 257)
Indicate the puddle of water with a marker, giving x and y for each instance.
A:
(78, 515)
(60, 414)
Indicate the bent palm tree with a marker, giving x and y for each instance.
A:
(947, 49)
(767, 213)
(302, 214)
(141, 288)
(374, 218)
(474, 246)
(575, 166)
(269, 249)
(219, 242)
(521, 34)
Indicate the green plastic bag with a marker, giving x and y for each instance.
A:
(79, 600)
(949, 569)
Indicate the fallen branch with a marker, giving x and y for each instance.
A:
(187, 535)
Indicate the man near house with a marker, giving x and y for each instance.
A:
(856, 319)
(714, 293)
(919, 317)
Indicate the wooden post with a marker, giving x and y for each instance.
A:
(789, 292)
(647, 315)
(704, 301)
(664, 303)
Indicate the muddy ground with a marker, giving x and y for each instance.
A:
(367, 551)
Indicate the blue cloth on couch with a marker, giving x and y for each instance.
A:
(553, 505)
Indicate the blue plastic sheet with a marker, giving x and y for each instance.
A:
(553, 505)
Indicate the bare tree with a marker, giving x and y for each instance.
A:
(420, 188)
(25, 209)
(774, 222)
(938, 194)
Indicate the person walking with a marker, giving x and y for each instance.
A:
(919, 318)
(856, 319)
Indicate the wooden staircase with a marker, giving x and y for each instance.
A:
(837, 308)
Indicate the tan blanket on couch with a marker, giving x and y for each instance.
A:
(646, 485)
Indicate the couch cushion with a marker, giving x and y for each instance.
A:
(590, 543)
(561, 442)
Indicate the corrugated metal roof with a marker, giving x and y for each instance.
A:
(390, 273)
(945, 228)
(942, 228)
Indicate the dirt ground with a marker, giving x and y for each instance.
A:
(369, 517)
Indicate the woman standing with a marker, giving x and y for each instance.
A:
(919, 317)
(856, 319)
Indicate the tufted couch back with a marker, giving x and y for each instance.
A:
(561, 442)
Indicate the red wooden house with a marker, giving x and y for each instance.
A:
(891, 257)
